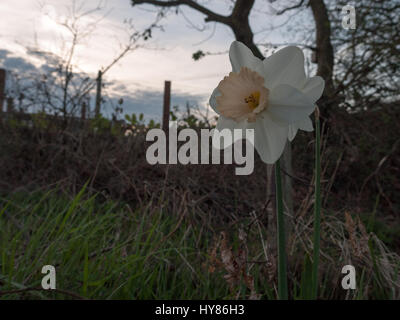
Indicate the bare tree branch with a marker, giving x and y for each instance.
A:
(211, 15)
(296, 6)
(238, 20)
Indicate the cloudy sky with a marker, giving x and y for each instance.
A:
(138, 77)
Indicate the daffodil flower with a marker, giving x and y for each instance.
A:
(272, 96)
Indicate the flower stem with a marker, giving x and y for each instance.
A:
(317, 207)
(282, 271)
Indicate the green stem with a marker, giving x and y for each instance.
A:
(317, 208)
(282, 271)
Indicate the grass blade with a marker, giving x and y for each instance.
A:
(282, 268)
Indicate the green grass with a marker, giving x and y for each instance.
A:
(102, 250)
(105, 250)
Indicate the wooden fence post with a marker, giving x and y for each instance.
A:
(83, 111)
(2, 88)
(10, 105)
(98, 95)
(166, 108)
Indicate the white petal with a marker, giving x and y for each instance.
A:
(213, 99)
(226, 123)
(285, 67)
(270, 138)
(241, 56)
(314, 87)
(305, 124)
(293, 128)
(289, 105)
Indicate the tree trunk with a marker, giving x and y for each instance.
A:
(324, 52)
